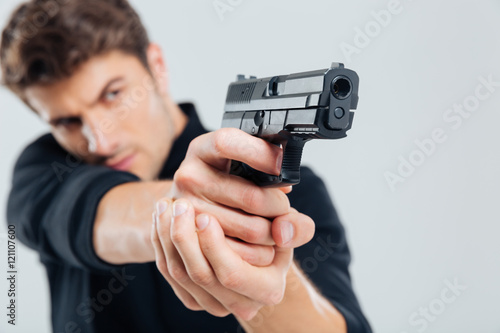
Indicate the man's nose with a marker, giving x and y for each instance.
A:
(101, 135)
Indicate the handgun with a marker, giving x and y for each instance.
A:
(288, 111)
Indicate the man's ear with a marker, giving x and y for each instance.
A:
(158, 67)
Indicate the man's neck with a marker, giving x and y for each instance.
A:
(179, 118)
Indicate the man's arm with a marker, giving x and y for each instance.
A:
(53, 202)
(122, 228)
(303, 309)
(123, 222)
(326, 258)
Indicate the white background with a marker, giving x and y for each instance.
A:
(440, 225)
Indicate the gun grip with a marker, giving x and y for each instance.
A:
(290, 168)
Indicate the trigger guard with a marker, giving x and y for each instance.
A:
(259, 178)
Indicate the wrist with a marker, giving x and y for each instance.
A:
(122, 226)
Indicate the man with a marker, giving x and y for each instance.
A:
(219, 256)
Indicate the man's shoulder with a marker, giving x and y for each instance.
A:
(44, 148)
(45, 141)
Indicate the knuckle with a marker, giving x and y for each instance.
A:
(195, 143)
(248, 148)
(177, 272)
(202, 278)
(220, 140)
(191, 304)
(212, 188)
(251, 197)
(232, 280)
(257, 255)
(162, 267)
(275, 296)
(177, 236)
(253, 231)
(248, 255)
(184, 176)
(219, 312)
(272, 299)
(267, 255)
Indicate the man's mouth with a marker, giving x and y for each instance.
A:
(123, 164)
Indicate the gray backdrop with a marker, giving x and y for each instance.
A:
(416, 181)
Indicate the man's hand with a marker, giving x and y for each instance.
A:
(242, 208)
(194, 256)
(125, 211)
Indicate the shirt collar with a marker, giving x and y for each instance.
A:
(180, 146)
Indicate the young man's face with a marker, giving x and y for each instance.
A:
(109, 112)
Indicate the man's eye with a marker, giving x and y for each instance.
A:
(67, 122)
(111, 96)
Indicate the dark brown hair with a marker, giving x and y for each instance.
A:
(46, 40)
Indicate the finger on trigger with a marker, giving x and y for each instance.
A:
(235, 144)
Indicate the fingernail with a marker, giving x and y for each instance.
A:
(279, 162)
(179, 208)
(202, 221)
(286, 232)
(161, 206)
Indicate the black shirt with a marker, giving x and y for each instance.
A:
(53, 203)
